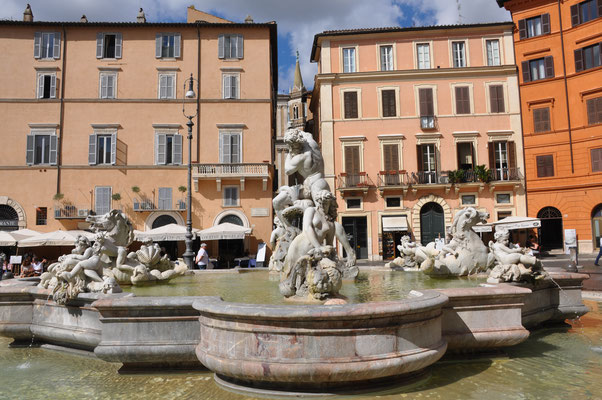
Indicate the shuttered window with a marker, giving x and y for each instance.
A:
(167, 86)
(41, 149)
(386, 58)
(424, 55)
(493, 52)
(427, 158)
(352, 160)
(425, 96)
(165, 202)
(102, 199)
(350, 104)
(585, 11)
(588, 57)
(231, 86)
(46, 86)
(540, 68)
(167, 45)
(108, 45)
(391, 157)
(596, 160)
(459, 54)
(230, 46)
(496, 98)
(102, 148)
(545, 166)
(594, 111)
(230, 148)
(47, 45)
(541, 120)
(168, 149)
(462, 100)
(534, 26)
(231, 196)
(388, 103)
(108, 85)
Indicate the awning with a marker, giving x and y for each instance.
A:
(165, 232)
(483, 228)
(395, 223)
(224, 231)
(56, 238)
(517, 223)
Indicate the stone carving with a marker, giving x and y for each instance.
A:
(513, 264)
(407, 250)
(102, 266)
(465, 252)
(307, 261)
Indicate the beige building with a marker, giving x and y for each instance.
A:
(92, 120)
(416, 123)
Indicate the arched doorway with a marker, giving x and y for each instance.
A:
(233, 248)
(170, 247)
(432, 222)
(9, 218)
(233, 219)
(550, 232)
(597, 225)
(163, 220)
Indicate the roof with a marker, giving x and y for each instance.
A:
(501, 2)
(348, 32)
(147, 24)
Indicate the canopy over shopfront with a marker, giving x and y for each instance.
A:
(165, 232)
(224, 231)
(11, 238)
(509, 223)
(395, 223)
(56, 238)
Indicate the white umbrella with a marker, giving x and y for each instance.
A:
(56, 238)
(224, 231)
(165, 232)
(11, 238)
(517, 223)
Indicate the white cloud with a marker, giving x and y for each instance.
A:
(446, 12)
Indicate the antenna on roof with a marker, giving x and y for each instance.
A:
(459, 12)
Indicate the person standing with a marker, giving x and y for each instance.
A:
(599, 254)
(202, 258)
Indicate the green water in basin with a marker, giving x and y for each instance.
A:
(261, 287)
(554, 363)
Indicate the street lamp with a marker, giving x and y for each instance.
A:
(189, 254)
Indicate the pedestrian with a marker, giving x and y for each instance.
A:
(599, 254)
(202, 258)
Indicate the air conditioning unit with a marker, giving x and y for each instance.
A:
(83, 212)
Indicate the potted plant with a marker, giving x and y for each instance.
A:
(456, 176)
(58, 196)
(116, 196)
(182, 189)
(483, 173)
(135, 189)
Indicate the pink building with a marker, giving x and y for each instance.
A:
(406, 117)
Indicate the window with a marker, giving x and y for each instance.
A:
(352, 160)
(391, 157)
(168, 149)
(108, 85)
(41, 215)
(392, 202)
(167, 45)
(545, 166)
(493, 52)
(41, 148)
(102, 148)
(594, 111)
(102, 199)
(230, 86)
(503, 214)
(503, 198)
(588, 57)
(165, 202)
(462, 100)
(230, 46)
(386, 58)
(349, 59)
(427, 109)
(47, 45)
(585, 11)
(427, 163)
(354, 204)
(388, 103)
(502, 160)
(46, 85)
(458, 55)
(540, 68)
(535, 26)
(596, 160)
(424, 55)
(465, 152)
(541, 120)
(231, 196)
(350, 103)
(468, 199)
(108, 45)
(167, 85)
(230, 147)
(496, 98)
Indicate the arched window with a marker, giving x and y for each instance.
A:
(9, 219)
(233, 219)
(295, 112)
(549, 212)
(163, 220)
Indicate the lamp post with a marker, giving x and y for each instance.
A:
(189, 254)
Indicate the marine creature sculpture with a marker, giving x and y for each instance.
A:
(280, 240)
(407, 254)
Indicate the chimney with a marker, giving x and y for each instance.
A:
(248, 20)
(83, 19)
(27, 14)
(141, 18)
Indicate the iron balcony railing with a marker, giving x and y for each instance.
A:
(392, 178)
(354, 181)
(506, 174)
(428, 178)
(148, 205)
(231, 170)
(69, 211)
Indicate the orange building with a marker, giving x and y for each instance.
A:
(92, 120)
(415, 124)
(558, 47)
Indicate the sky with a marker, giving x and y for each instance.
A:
(298, 20)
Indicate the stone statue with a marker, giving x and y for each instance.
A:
(280, 240)
(407, 254)
(464, 254)
(101, 267)
(512, 264)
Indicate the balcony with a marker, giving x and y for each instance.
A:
(69, 211)
(354, 182)
(146, 205)
(392, 180)
(427, 122)
(428, 178)
(505, 174)
(232, 171)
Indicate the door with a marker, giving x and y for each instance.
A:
(356, 229)
(432, 223)
(597, 225)
(550, 233)
(228, 251)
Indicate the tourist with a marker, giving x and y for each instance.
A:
(532, 244)
(38, 267)
(599, 254)
(202, 258)
(26, 268)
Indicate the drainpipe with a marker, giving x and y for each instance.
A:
(566, 89)
(61, 115)
(198, 97)
(522, 127)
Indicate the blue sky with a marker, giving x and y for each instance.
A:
(298, 20)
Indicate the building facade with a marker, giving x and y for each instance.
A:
(558, 50)
(416, 123)
(93, 119)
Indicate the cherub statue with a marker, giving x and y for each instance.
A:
(512, 264)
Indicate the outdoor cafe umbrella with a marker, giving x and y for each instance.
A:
(55, 238)
(226, 231)
(165, 232)
(509, 223)
(11, 238)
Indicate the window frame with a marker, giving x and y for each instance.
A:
(476, 199)
(544, 23)
(100, 78)
(387, 207)
(225, 188)
(30, 151)
(229, 133)
(381, 108)
(221, 46)
(581, 56)
(40, 88)
(110, 205)
(93, 145)
(510, 199)
(231, 76)
(56, 45)
(355, 58)
(576, 11)
(549, 122)
(361, 206)
(429, 44)
(486, 41)
(358, 92)
(176, 46)
(454, 87)
(597, 104)
(546, 175)
(177, 141)
(174, 77)
(379, 48)
(505, 104)
(591, 163)
(41, 216)
(452, 59)
(548, 69)
(101, 45)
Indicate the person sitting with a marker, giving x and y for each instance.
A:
(26, 268)
(38, 267)
(532, 244)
